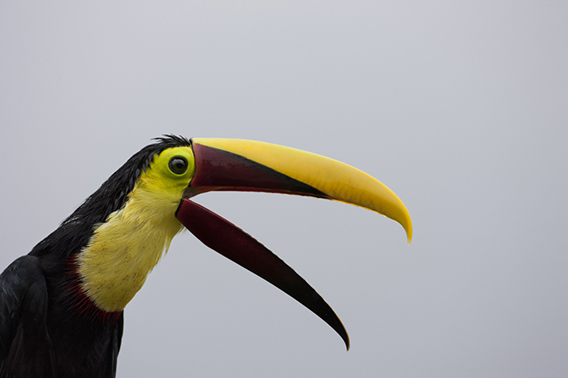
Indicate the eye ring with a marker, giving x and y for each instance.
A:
(178, 165)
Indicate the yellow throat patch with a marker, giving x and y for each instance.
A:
(125, 248)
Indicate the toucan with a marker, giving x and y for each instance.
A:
(62, 305)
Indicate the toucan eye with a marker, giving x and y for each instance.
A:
(178, 165)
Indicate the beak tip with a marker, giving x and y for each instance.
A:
(409, 233)
(403, 218)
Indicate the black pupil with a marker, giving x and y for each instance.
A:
(178, 165)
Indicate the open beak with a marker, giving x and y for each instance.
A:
(243, 165)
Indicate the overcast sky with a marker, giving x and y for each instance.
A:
(461, 108)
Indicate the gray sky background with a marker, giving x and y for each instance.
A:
(460, 107)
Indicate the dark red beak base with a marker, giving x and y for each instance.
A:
(221, 170)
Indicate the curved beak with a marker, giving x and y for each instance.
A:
(244, 165)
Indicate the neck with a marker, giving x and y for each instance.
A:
(125, 248)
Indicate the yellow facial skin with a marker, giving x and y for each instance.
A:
(338, 180)
(124, 249)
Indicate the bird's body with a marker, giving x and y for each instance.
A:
(61, 306)
(55, 327)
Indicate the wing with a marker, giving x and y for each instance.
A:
(25, 347)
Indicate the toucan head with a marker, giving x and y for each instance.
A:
(176, 169)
